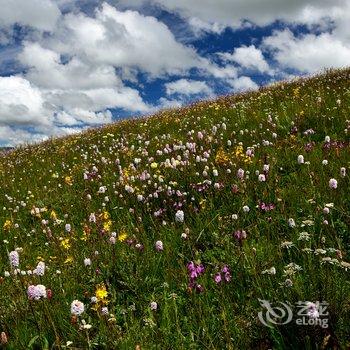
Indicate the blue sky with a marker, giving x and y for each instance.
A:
(66, 65)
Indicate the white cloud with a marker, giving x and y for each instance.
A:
(16, 136)
(39, 14)
(247, 57)
(187, 87)
(199, 27)
(308, 53)
(20, 102)
(234, 12)
(125, 40)
(243, 83)
(73, 92)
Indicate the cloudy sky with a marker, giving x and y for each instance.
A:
(70, 64)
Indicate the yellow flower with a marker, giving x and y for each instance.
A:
(7, 225)
(68, 260)
(101, 293)
(107, 225)
(68, 180)
(221, 157)
(65, 243)
(122, 236)
(154, 165)
(105, 215)
(53, 215)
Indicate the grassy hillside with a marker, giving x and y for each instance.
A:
(169, 229)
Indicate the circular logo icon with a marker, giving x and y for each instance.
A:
(278, 314)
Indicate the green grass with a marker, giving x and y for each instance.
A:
(50, 177)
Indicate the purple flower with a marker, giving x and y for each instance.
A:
(240, 174)
(194, 271)
(199, 288)
(240, 235)
(36, 292)
(40, 269)
(225, 275)
(14, 258)
(217, 278)
(312, 311)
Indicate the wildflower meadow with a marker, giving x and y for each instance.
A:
(178, 230)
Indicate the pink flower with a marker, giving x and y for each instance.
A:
(159, 246)
(333, 183)
(262, 178)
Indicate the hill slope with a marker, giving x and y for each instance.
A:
(170, 229)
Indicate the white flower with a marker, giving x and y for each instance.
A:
(77, 307)
(333, 183)
(291, 222)
(342, 172)
(262, 178)
(270, 271)
(102, 189)
(304, 236)
(40, 269)
(287, 244)
(246, 209)
(154, 306)
(159, 246)
(87, 262)
(300, 159)
(104, 311)
(179, 216)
